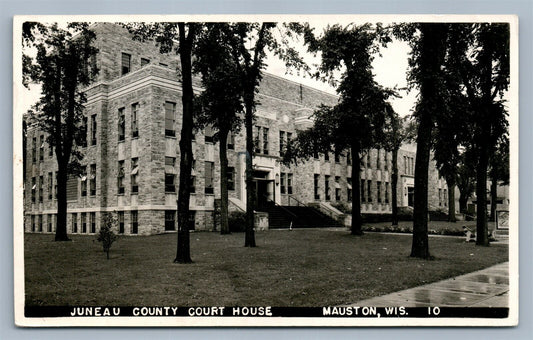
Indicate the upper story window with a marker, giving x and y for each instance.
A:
(261, 140)
(231, 178)
(134, 171)
(121, 125)
(170, 118)
(126, 63)
(144, 62)
(41, 148)
(84, 132)
(231, 141)
(209, 133)
(134, 125)
(34, 150)
(93, 130)
(120, 178)
(92, 182)
(209, 177)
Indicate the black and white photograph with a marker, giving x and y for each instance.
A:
(265, 170)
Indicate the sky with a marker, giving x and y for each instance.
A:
(390, 70)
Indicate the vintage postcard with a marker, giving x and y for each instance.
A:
(263, 170)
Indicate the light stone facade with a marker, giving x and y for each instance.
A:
(285, 106)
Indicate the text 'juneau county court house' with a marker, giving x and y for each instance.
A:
(131, 155)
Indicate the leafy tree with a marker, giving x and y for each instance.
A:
(356, 122)
(396, 131)
(499, 172)
(249, 43)
(428, 43)
(485, 75)
(180, 37)
(62, 68)
(220, 104)
(466, 178)
(106, 234)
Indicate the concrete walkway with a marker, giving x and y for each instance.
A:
(485, 288)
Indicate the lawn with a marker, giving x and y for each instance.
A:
(434, 227)
(313, 267)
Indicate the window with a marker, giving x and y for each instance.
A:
(170, 220)
(349, 189)
(126, 63)
(406, 165)
(93, 130)
(337, 156)
(134, 222)
(231, 178)
(170, 174)
(386, 161)
(363, 191)
(440, 197)
(55, 187)
(369, 197)
(50, 151)
(163, 64)
(92, 180)
(84, 182)
(378, 161)
(315, 151)
(121, 125)
(265, 141)
(231, 141)
(281, 143)
(445, 197)
(120, 178)
(349, 157)
(283, 182)
(121, 222)
(50, 223)
(92, 219)
(33, 223)
(378, 187)
(289, 184)
(192, 218)
(84, 132)
(34, 150)
(41, 180)
(316, 186)
(326, 156)
(326, 186)
(33, 189)
(74, 222)
(169, 183)
(134, 127)
(41, 148)
(144, 62)
(368, 159)
(134, 171)
(170, 117)
(209, 177)
(50, 185)
(209, 133)
(337, 188)
(40, 223)
(83, 223)
(387, 192)
(261, 140)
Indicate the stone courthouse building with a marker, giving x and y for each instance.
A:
(133, 121)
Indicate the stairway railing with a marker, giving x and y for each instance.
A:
(298, 202)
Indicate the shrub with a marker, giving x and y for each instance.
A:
(438, 215)
(343, 207)
(106, 234)
(237, 221)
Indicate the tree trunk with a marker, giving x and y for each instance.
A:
(356, 190)
(432, 50)
(451, 201)
(482, 236)
(61, 222)
(183, 253)
(249, 240)
(493, 197)
(394, 187)
(224, 227)
(463, 200)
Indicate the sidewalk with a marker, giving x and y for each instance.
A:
(485, 288)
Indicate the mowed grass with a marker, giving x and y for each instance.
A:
(314, 267)
(434, 226)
